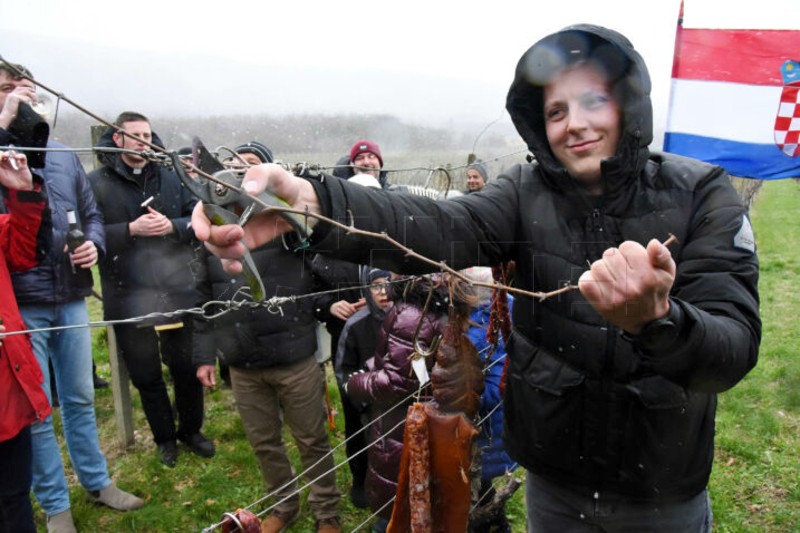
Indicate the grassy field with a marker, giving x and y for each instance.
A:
(754, 486)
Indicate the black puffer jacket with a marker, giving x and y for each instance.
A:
(584, 406)
(141, 275)
(257, 337)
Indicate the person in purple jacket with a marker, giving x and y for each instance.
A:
(385, 387)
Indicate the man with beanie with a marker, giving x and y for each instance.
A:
(255, 153)
(477, 177)
(366, 158)
(269, 362)
(250, 153)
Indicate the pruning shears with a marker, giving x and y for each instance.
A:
(224, 202)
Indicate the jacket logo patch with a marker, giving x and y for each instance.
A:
(744, 238)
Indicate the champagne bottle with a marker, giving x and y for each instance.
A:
(75, 236)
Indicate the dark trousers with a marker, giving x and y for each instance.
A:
(352, 424)
(552, 507)
(143, 349)
(16, 475)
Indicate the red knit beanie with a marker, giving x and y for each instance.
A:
(365, 146)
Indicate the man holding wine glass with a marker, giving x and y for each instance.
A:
(52, 294)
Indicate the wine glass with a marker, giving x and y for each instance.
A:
(41, 105)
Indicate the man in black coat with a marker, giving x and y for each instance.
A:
(148, 268)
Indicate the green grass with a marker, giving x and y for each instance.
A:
(754, 486)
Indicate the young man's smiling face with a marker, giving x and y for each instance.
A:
(582, 121)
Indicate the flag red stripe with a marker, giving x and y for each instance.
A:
(737, 56)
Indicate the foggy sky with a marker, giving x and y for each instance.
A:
(439, 63)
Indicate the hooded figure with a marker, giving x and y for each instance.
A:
(588, 409)
(611, 389)
(628, 77)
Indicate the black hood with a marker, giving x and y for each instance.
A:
(112, 159)
(374, 308)
(630, 82)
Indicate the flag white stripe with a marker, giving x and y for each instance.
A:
(738, 14)
(733, 111)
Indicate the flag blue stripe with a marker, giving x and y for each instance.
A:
(760, 161)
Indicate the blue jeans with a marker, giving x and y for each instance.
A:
(552, 507)
(70, 351)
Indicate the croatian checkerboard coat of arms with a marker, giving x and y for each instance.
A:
(787, 123)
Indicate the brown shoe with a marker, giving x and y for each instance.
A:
(329, 525)
(278, 521)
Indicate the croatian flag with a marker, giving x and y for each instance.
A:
(735, 98)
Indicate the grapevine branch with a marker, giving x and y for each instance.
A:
(541, 296)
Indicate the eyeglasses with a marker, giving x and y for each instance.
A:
(377, 288)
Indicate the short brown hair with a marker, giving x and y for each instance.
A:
(130, 116)
(15, 71)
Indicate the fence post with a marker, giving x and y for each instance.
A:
(121, 392)
(120, 381)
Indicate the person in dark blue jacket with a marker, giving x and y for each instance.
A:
(148, 267)
(52, 294)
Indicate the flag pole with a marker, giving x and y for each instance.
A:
(675, 67)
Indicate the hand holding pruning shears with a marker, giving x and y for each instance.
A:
(225, 202)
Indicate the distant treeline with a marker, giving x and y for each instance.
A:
(295, 134)
(323, 139)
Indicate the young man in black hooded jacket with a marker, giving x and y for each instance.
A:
(612, 388)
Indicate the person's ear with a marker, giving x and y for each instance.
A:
(117, 139)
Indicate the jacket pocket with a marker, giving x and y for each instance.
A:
(667, 438)
(544, 406)
(658, 393)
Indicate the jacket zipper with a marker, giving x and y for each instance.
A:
(608, 357)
